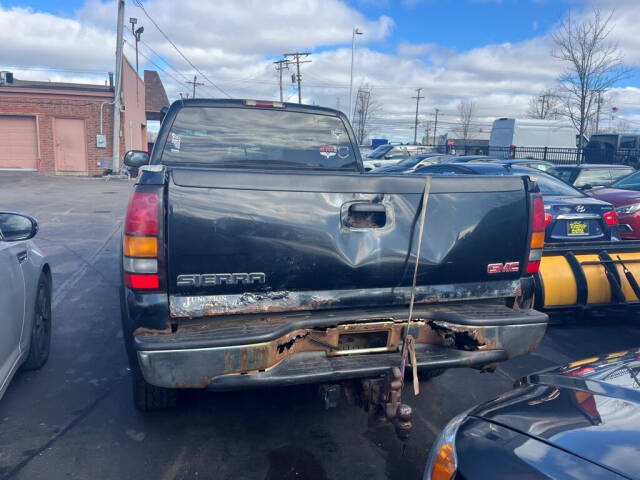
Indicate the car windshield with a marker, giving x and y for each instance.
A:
(380, 151)
(549, 185)
(563, 174)
(631, 182)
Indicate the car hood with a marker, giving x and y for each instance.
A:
(616, 196)
(589, 408)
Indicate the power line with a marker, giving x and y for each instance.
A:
(139, 4)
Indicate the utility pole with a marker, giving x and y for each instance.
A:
(281, 65)
(195, 83)
(435, 127)
(427, 129)
(115, 164)
(597, 113)
(297, 56)
(544, 99)
(415, 125)
(137, 34)
(353, 45)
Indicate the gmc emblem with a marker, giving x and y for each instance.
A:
(506, 267)
(211, 279)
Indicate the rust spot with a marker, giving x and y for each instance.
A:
(244, 360)
(229, 362)
(150, 331)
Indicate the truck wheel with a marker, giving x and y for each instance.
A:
(40, 341)
(148, 397)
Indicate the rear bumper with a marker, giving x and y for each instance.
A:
(295, 349)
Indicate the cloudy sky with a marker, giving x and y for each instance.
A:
(494, 52)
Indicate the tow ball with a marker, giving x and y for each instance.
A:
(382, 400)
(379, 397)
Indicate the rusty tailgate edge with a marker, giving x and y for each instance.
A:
(286, 301)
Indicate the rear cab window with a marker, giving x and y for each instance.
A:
(273, 139)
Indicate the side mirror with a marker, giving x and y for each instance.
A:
(16, 226)
(136, 158)
(388, 157)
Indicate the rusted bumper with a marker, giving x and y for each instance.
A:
(292, 349)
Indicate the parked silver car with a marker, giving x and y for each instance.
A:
(25, 298)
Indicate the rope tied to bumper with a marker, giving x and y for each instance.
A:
(409, 343)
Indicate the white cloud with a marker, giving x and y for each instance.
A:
(234, 44)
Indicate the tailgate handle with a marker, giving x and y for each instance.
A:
(365, 215)
(367, 208)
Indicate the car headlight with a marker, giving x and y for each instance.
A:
(628, 209)
(443, 460)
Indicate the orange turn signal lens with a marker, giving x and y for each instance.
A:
(140, 246)
(444, 466)
(537, 240)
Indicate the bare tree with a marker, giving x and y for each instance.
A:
(546, 106)
(466, 116)
(364, 112)
(594, 64)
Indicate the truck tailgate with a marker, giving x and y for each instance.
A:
(233, 233)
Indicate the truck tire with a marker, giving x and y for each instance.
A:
(40, 341)
(148, 397)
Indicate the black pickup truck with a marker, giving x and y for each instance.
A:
(257, 252)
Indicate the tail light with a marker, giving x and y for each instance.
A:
(142, 246)
(538, 224)
(547, 219)
(611, 218)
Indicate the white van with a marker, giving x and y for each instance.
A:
(510, 133)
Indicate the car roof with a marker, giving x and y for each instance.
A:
(482, 167)
(589, 166)
(473, 157)
(516, 161)
(429, 155)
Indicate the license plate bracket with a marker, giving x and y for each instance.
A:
(355, 342)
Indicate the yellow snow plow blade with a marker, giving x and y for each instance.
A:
(581, 275)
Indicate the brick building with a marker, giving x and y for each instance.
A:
(55, 127)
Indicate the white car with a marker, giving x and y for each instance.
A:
(388, 155)
(25, 298)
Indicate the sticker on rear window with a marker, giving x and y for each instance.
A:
(175, 140)
(327, 151)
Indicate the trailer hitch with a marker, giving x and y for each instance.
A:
(382, 400)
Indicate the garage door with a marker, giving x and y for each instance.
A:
(18, 142)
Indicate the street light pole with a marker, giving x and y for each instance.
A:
(137, 33)
(353, 46)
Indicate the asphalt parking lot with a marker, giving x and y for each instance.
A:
(75, 419)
